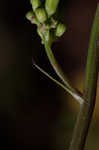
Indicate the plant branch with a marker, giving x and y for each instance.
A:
(86, 111)
(58, 83)
(60, 73)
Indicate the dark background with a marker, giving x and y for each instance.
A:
(34, 113)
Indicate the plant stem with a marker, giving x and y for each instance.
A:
(86, 111)
(60, 73)
(58, 83)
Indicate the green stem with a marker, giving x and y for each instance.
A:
(58, 83)
(60, 73)
(86, 111)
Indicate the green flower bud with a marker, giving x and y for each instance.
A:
(61, 28)
(35, 4)
(31, 17)
(41, 15)
(51, 6)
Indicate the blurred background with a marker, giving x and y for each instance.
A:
(35, 114)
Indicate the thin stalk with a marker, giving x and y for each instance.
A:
(60, 73)
(59, 84)
(86, 111)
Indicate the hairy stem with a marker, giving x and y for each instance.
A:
(86, 110)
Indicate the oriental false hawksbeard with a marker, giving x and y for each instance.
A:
(44, 15)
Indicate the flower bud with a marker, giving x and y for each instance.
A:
(51, 6)
(61, 28)
(41, 15)
(31, 17)
(35, 4)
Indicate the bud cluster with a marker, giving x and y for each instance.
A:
(42, 15)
